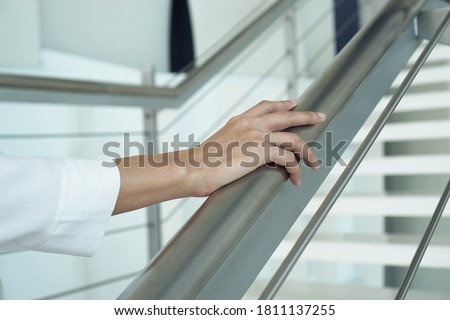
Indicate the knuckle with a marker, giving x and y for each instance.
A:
(267, 104)
(289, 159)
(309, 116)
(294, 138)
(296, 141)
(243, 123)
(234, 119)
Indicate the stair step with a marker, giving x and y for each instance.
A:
(429, 75)
(408, 131)
(391, 250)
(403, 165)
(421, 101)
(381, 205)
(441, 53)
(317, 291)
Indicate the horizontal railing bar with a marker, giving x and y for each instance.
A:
(220, 251)
(316, 221)
(67, 85)
(47, 90)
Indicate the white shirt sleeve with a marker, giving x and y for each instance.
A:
(55, 205)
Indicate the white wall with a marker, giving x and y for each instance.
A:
(133, 33)
(19, 33)
(214, 22)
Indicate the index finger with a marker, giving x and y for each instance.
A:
(282, 120)
(267, 107)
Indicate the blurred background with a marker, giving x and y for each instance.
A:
(363, 248)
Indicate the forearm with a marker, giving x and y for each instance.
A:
(150, 179)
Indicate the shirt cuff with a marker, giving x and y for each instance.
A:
(89, 193)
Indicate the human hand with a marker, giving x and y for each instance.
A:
(249, 141)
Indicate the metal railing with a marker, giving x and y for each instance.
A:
(220, 251)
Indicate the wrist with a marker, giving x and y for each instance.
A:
(197, 180)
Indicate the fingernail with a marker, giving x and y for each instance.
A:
(315, 165)
(293, 101)
(321, 115)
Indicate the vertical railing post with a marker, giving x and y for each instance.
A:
(151, 135)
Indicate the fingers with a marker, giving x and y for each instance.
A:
(275, 116)
(292, 142)
(266, 107)
(287, 159)
(282, 120)
(285, 148)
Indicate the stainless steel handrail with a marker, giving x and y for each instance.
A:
(48, 90)
(314, 224)
(219, 252)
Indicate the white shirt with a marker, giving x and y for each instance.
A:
(55, 205)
